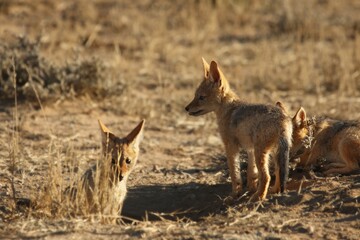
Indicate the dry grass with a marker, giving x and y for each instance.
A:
(124, 60)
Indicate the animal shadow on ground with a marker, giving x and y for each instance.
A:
(191, 200)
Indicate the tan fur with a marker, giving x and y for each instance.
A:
(336, 141)
(255, 128)
(105, 184)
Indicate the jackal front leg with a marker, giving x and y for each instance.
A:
(234, 169)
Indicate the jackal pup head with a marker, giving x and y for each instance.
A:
(301, 134)
(123, 152)
(210, 92)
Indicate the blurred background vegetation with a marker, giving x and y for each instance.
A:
(104, 47)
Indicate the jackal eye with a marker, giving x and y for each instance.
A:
(201, 98)
(128, 160)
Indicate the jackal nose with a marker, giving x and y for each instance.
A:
(187, 108)
(120, 178)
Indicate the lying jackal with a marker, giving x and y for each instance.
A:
(260, 129)
(322, 138)
(104, 184)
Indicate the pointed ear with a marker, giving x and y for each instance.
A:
(103, 128)
(206, 68)
(281, 106)
(215, 73)
(136, 135)
(300, 117)
(105, 134)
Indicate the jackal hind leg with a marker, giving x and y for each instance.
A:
(252, 172)
(262, 163)
(276, 187)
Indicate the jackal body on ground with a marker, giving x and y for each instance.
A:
(104, 184)
(336, 141)
(258, 128)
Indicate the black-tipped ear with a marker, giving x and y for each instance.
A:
(206, 68)
(136, 135)
(300, 117)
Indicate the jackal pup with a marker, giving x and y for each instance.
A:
(104, 184)
(338, 142)
(258, 128)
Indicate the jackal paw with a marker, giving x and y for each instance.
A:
(235, 194)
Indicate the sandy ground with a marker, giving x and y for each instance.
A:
(179, 187)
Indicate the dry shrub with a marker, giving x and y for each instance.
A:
(36, 75)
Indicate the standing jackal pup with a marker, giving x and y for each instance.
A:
(260, 129)
(322, 138)
(104, 184)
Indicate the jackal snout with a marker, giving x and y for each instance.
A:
(195, 107)
(120, 169)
